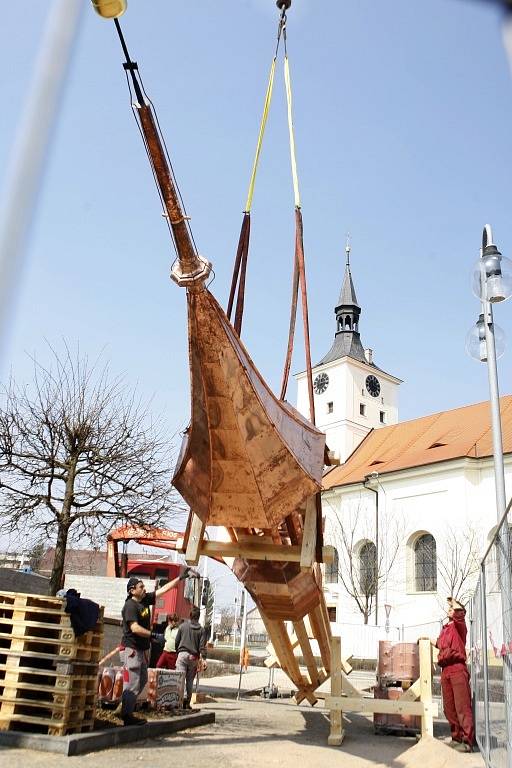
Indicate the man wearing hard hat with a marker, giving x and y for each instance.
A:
(455, 677)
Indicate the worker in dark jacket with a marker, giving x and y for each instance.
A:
(136, 641)
(455, 677)
(191, 646)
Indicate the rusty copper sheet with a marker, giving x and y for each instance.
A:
(247, 459)
(398, 661)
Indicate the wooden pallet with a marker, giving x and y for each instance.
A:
(19, 683)
(48, 677)
(15, 643)
(34, 724)
(36, 601)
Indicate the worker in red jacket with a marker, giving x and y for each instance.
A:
(455, 677)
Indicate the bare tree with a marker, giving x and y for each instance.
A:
(78, 454)
(461, 562)
(36, 554)
(360, 567)
(227, 619)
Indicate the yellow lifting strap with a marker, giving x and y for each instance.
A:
(266, 108)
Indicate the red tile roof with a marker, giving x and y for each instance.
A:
(462, 432)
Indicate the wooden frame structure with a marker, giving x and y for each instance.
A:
(417, 700)
(285, 583)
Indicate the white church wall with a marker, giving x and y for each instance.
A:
(345, 411)
(386, 402)
(453, 502)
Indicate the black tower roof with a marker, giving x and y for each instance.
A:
(347, 342)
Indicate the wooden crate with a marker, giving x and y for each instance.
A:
(48, 677)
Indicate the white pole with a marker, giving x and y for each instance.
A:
(212, 633)
(203, 608)
(32, 139)
(243, 635)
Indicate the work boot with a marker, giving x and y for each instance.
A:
(132, 720)
(463, 746)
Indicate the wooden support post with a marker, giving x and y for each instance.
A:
(273, 659)
(427, 722)
(256, 550)
(283, 647)
(307, 554)
(305, 646)
(317, 625)
(413, 693)
(349, 689)
(337, 733)
(195, 540)
(360, 704)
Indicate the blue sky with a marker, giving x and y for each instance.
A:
(403, 117)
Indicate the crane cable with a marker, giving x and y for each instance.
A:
(299, 268)
(240, 266)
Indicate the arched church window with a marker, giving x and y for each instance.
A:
(348, 323)
(425, 563)
(332, 569)
(368, 571)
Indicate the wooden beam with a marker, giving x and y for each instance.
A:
(195, 540)
(303, 693)
(305, 646)
(427, 721)
(317, 625)
(349, 689)
(358, 704)
(284, 651)
(273, 660)
(336, 716)
(412, 693)
(307, 555)
(256, 550)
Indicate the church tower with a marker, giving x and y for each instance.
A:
(352, 394)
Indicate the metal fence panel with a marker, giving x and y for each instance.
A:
(491, 652)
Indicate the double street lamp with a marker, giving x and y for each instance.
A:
(492, 284)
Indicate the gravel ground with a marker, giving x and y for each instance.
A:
(261, 734)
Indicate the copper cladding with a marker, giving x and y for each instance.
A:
(247, 459)
(398, 661)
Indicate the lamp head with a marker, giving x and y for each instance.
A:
(492, 276)
(476, 344)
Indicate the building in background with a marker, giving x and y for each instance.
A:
(352, 394)
(411, 508)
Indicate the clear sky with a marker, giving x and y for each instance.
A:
(403, 118)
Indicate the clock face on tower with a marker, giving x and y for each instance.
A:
(321, 383)
(373, 386)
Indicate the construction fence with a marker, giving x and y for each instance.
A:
(491, 651)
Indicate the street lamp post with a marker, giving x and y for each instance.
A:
(492, 283)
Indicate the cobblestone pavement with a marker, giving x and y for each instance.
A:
(261, 734)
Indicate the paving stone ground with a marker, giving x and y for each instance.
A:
(255, 733)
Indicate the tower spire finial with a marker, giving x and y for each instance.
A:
(347, 249)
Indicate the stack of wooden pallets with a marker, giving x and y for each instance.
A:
(48, 677)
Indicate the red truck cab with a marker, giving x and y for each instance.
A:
(178, 600)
